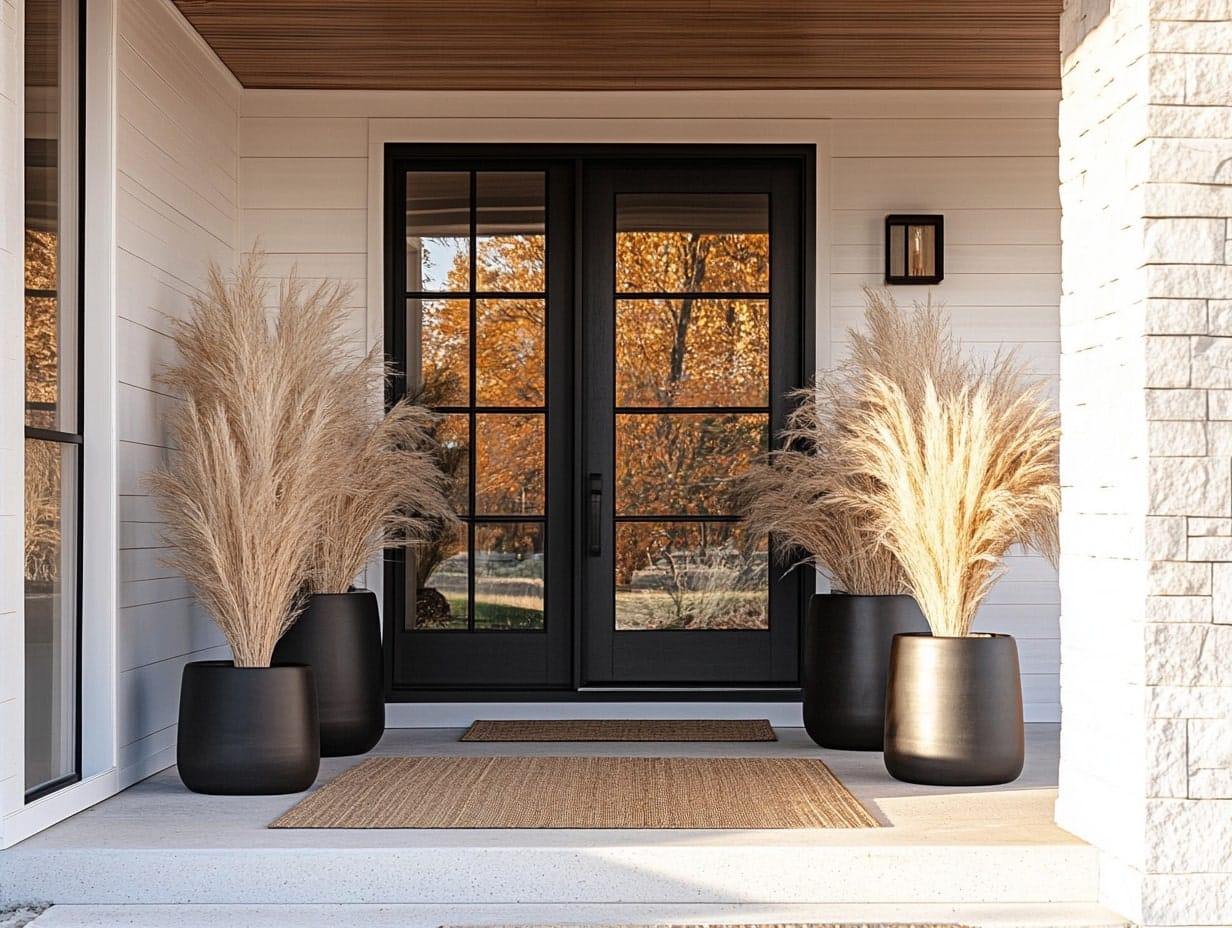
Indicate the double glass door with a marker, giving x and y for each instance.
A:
(607, 338)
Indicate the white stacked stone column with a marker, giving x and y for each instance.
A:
(1146, 394)
(12, 406)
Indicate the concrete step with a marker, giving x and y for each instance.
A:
(499, 868)
(1047, 915)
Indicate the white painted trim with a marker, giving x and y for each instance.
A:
(45, 812)
(99, 517)
(461, 714)
(676, 105)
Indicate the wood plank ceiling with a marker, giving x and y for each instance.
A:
(633, 44)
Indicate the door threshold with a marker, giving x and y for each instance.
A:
(780, 713)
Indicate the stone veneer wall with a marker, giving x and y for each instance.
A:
(1146, 396)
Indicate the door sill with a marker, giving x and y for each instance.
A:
(781, 713)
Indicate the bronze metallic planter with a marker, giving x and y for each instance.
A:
(954, 710)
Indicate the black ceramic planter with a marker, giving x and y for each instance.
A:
(339, 636)
(247, 731)
(846, 660)
(954, 710)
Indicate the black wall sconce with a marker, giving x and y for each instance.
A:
(914, 250)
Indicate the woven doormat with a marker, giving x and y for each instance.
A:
(795, 925)
(581, 792)
(621, 730)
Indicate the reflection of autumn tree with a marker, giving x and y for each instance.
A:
(42, 468)
(693, 331)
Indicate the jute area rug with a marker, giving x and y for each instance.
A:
(621, 730)
(581, 792)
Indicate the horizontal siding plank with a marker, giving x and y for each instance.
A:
(304, 183)
(159, 591)
(1039, 225)
(1010, 324)
(153, 37)
(306, 230)
(144, 96)
(133, 463)
(179, 179)
(151, 633)
(138, 536)
(930, 138)
(136, 564)
(924, 185)
(958, 289)
(158, 233)
(140, 354)
(869, 258)
(141, 415)
(303, 137)
(316, 265)
(148, 696)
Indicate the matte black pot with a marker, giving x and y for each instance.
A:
(954, 711)
(339, 636)
(846, 660)
(247, 731)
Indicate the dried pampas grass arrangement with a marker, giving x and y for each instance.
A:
(242, 491)
(799, 494)
(911, 469)
(957, 477)
(389, 489)
(286, 476)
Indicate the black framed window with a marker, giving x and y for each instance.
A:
(476, 294)
(53, 394)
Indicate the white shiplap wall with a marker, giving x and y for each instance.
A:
(12, 408)
(995, 181)
(176, 210)
(988, 161)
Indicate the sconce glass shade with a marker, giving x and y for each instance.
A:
(914, 250)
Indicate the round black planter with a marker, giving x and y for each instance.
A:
(247, 731)
(954, 711)
(846, 659)
(339, 636)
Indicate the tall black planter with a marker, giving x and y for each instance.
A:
(339, 635)
(954, 711)
(846, 661)
(247, 731)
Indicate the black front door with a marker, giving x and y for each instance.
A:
(607, 336)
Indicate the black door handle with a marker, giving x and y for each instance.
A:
(595, 516)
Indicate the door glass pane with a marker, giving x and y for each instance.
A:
(511, 222)
(509, 362)
(444, 344)
(441, 570)
(676, 464)
(509, 576)
(453, 434)
(682, 575)
(438, 232)
(692, 242)
(509, 464)
(691, 352)
(51, 609)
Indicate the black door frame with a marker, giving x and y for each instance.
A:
(457, 157)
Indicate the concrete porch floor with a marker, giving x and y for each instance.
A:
(984, 856)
